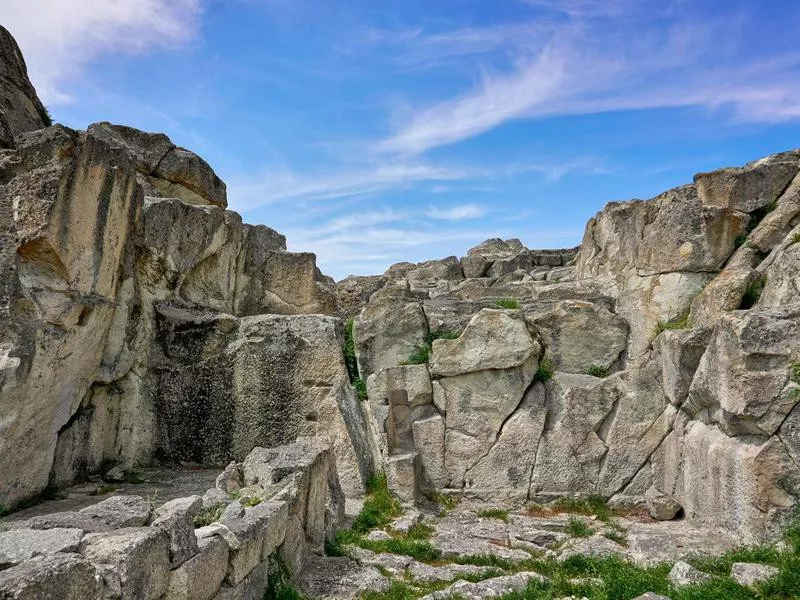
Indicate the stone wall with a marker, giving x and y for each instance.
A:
(125, 548)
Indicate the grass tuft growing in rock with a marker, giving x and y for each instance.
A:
(278, 586)
(421, 354)
(597, 371)
(350, 361)
(103, 489)
(380, 507)
(682, 322)
(794, 372)
(591, 505)
(577, 528)
(545, 371)
(494, 513)
(507, 303)
(209, 515)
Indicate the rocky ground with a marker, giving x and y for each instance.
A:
(573, 549)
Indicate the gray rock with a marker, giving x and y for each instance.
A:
(133, 563)
(200, 577)
(22, 110)
(750, 574)
(651, 596)
(230, 479)
(661, 506)
(378, 536)
(402, 473)
(176, 518)
(597, 545)
(62, 576)
(488, 588)
(18, 545)
(110, 514)
(251, 587)
(338, 578)
(683, 574)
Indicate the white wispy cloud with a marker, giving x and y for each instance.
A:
(59, 38)
(254, 190)
(586, 67)
(456, 213)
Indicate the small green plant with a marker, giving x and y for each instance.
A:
(597, 371)
(615, 536)
(577, 528)
(397, 590)
(380, 507)
(682, 322)
(545, 371)
(44, 114)
(421, 353)
(103, 489)
(752, 293)
(278, 586)
(350, 361)
(361, 389)
(420, 531)
(4, 510)
(251, 501)
(794, 372)
(494, 513)
(485, 560)
(209, 515)
(591, 505)
(739, 240)
(508, 303)
(447, 501)
(796, 238)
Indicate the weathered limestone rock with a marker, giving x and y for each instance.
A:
(750, 574)
(488, 588)
(579, 335)
(736, 483)
(200, 577)
(18, 545)
(251, 587)
(679, 351)
(505, 471)
(570, 450)
(133, 563)
(402, 473)
(596, 545)
(174, 172)
(110, 514)
(481, 257)
(62, 576)
(683, 574)
(428, 274)
(176, 518)
(230, 480)
(278, 378)
(339, 578)
(751, 187)
(494, 339)
(724, 293)
(20, 107)
(353, 292)
(661, 506)
(782, 274)
(72, 223)
(303, 475)
(745, 373)
(651, 596)
(386, 332)
(428, 437)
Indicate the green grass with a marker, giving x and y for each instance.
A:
(420, 531)
(591, 505)
(445, 500)
(485, 560)
(794, 371)
(753, 293)
(545, 371)
(796, 238)
(615, 536)
(209, 515)
(380, 507)
(494, 513)
(350, 361)
(577, 528)
(682, 322)
(421, 354)
(508, 303)
(252, 501)
(278, 586)
(597, 371)
(103, 489)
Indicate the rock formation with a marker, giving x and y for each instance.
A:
(656, 365)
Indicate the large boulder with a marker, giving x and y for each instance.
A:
(63, 576)
(278, 378)
(171, 171)
(746, 377)
(20, 107)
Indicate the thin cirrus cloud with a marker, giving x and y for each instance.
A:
(61, 37)
(456, 213)
(584, 68)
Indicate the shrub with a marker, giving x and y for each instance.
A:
(508, 303)
(45, 115)
(597, 371)
(752, 293)
(494, 513)
(208, 515)
(545, 371)
(576, 527)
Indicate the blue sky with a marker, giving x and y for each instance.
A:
(375, 131)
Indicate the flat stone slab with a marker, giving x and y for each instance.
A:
(18, 545)
(488, 588)
(62, 576)
(338, 578)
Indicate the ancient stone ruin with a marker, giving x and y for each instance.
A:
(656, 367)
